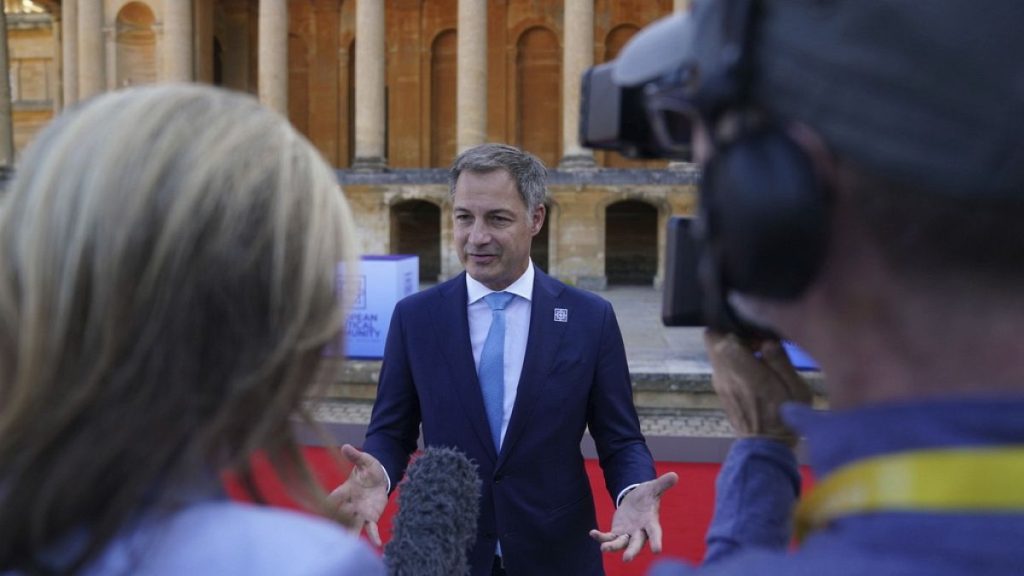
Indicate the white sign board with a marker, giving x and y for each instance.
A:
(379, 284)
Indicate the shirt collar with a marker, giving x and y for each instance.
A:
(523, 287)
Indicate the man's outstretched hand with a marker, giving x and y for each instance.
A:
(636, 520)
(360, 500)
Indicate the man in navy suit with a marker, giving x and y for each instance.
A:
(511, 366)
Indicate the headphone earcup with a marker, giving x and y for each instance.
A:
(766, 215)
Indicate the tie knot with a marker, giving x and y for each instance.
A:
(498, 300)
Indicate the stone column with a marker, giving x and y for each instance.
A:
(680, 5)
(272, 63)
(69, 33)
(92, 77)
(471, 91)
(177, 41)
(204, 41)
(370, 67)
(577, 56)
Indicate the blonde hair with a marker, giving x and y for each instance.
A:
(167, 284)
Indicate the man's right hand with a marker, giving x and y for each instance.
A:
(752, 381)
(360, 500)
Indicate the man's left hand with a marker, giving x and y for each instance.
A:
(636, 520)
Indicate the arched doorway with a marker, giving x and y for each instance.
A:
(136, 45)
(540, 248)
(416, 229)
(631, 243)
(538, 100)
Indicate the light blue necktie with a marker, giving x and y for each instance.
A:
(492, 364)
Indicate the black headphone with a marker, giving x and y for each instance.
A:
(764, 211)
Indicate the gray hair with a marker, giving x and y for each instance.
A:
(168, 265)
(526, 170)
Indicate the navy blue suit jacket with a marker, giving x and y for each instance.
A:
(534, 493)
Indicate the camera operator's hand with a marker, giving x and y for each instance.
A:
(752, 381)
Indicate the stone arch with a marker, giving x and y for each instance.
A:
(631, 242)
(538, 94)
(616, 39)
(416, 229)
(442, 98)
(135, 45)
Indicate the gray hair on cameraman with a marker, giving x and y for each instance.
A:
(526, 169)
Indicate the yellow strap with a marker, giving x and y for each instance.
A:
(974, 479)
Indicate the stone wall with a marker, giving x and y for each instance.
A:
(578, 203)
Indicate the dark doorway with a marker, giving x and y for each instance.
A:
(416, 229)
(631, 243)
(539, 249)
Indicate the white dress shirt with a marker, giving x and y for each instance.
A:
(517, 331)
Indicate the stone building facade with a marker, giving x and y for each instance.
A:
(389, 91)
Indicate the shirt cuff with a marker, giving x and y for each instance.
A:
(388, 478)
(625, 491)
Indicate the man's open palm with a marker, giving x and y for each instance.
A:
(636, 520)
(360, 500)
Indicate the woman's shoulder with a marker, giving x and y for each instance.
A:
(223, 537)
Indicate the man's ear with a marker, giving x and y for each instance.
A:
(537, 219)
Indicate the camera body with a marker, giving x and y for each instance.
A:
(763, 213)
(612, 116)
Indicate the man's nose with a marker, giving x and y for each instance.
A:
(479, 233)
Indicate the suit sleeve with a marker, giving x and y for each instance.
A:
(394, 424)
(611, 415)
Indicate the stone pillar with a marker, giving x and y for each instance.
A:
(92, 77)
(370, 67)
(471, 91)
(577, 56)
(680, 5)
(272, 63)
(177, 41)
(204, 41)
(69, 49)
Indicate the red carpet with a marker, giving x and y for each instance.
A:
(685, 510)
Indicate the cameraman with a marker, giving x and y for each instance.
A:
(903, 124)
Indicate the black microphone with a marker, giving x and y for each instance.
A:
(438, 505)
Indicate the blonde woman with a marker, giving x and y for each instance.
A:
(167, 283)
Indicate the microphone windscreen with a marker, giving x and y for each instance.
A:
(438, 505)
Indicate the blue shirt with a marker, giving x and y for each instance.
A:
(759, 482)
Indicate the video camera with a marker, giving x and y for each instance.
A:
(626, 107)
(762, 217)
